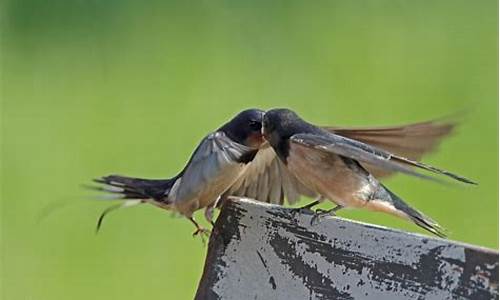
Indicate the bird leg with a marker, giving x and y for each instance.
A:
(209, 214)
(316, 201)
(203, 232)
(320, 213)
(310, 205)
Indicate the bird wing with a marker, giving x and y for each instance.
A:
(266, 179)
(411, 141)
(215, 162)
(368, 154)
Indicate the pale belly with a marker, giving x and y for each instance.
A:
(328, 175)
(210, 192)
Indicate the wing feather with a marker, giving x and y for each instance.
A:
(365, 153)
(266, 179)
(213, 158)
(411, 141)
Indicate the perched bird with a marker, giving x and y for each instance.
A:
(343, 169)
(267, 178)
(216, 164)
(264, 176)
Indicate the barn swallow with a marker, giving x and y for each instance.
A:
(337, 168)
(218, 161)
(267, 178)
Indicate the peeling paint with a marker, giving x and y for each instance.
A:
(261, 251)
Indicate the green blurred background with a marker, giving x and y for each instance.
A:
(96, 87)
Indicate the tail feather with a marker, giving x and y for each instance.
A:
(127, 203)
(134, 188)
(412, 214)
(428, 224)
(406, 161)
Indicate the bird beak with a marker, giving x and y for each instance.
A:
(263, 131)
(255, 140)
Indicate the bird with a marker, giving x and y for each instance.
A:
(219, 160)
(344, 170)
(265, 177)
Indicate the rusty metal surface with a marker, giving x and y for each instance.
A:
(262, 251)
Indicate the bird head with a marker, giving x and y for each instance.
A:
(280, 124)
(246, 128)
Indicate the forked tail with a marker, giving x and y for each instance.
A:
(133, 190)
(121, 187)
(415, 216)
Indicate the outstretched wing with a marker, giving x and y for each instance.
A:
(411, 141)
(368, 154)
(215, 164)
(266, 179)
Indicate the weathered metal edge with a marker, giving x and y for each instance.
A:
(370, 225)
(238, 208)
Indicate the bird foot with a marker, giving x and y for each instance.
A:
(319, 214)
(307, 209)
(301, 210)
(203, 233)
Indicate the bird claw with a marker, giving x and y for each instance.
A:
(320, 213)
(307, 209)
(301, 210)
(203, 233)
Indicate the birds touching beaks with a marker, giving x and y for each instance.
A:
(276, 156)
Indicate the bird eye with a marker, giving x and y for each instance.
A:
(255, 126)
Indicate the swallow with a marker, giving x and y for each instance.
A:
(219, 160)
(344, 170)
(267, 178)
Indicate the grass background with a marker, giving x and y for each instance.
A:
(96, 87)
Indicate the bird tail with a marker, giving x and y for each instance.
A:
(121, 187)
(133, 190)
(404, 210)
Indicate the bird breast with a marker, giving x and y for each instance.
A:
(328, 175)
(204, 194)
